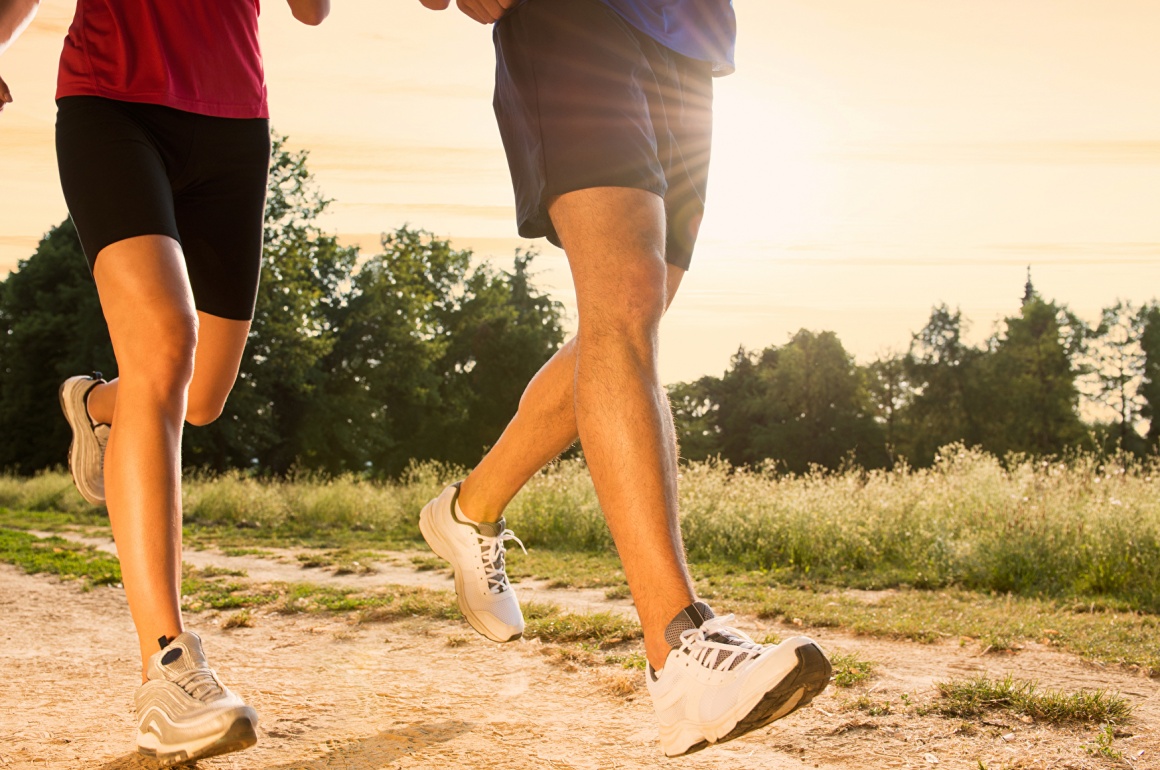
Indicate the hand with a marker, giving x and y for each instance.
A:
(483, 11)
(436, 5)
(5, 94)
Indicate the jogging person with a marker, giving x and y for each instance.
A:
(163, 146)
(605, 111)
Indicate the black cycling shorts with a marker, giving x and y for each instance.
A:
(132, 169)
(584, 99)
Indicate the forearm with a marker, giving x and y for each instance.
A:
(15, 15)
(310, 12)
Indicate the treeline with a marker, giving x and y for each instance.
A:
(1024, 390)
(353, 364)
(365, 364)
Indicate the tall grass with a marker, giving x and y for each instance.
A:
(1084, 527)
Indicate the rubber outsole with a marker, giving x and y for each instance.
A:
(809, 678)
(240, 736)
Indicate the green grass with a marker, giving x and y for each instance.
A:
(978, 696)
(850, 670)
(1000, 553)
(1084, 528)
(56, 556)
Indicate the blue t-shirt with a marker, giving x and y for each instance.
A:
(699, 29)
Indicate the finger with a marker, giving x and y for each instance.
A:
(470, 8)
(436, 5)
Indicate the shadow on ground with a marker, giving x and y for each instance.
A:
(371, 752)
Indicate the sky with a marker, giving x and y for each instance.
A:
(870, 160)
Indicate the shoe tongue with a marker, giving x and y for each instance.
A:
(693, 616)
(182, 655)
(490, 528)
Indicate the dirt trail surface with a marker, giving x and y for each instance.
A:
(422, 693)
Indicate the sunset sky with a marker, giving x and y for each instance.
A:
(870, 159)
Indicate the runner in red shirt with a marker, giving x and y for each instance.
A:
(163, 147)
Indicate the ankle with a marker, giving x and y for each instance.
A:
(473, 509)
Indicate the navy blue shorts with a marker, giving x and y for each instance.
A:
(584, 99)
(132, 169)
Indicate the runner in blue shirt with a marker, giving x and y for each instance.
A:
(605, 111)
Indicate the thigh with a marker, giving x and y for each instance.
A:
(147, 302)
(220, 202)
(113, 174)
(614, 240)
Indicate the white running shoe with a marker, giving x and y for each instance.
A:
(718, 684)
(476, 554)
(86, 453)
(184, 712)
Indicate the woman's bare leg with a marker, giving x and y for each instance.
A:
(147, 302)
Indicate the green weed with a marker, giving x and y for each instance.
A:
(977, 696)
(850, 670)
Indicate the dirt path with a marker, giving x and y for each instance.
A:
(430, 694)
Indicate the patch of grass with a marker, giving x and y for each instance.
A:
(1104, 745)
(850, 670)
(632, 660)
(569, 569)
(868, 705)
(1112, 636)
(242, 619)
(977, 696)
(56, 556)
(312, 560)
(457, 641)
(214, 571)
(618, 592)
(427, 563)
(236, 551)
(603, 629)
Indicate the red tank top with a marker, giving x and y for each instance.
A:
(195, 55)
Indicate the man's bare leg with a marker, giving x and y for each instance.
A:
(542, 428)
(615, 239)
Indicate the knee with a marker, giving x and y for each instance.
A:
(203, 413)
(631, 316)
(164, 362)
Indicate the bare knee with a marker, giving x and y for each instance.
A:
(163, 364)
(203, 412)
(629, 316)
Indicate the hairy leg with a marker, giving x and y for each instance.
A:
(615, 238)
(542, 428)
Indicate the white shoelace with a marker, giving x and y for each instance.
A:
(718, 655)
(200, 683)
(492, 549)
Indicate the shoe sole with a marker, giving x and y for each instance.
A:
(79, 452)
(240, 735)
(440, 549)
(807, 680)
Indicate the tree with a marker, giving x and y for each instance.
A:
(51, 328)
(430, 361)
(891, 394)
(1148, 323)
(1116, 368)
(695, 418)
(947, 401)
(802, 404)
(1033, 398)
